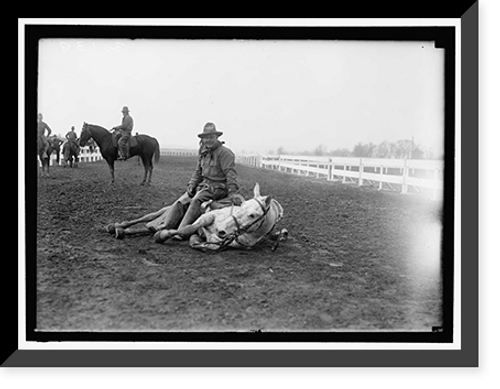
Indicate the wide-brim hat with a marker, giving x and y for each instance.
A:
(125, 109)
(209, 129)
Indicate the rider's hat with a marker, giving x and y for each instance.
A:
(125, 109)
(209, 129)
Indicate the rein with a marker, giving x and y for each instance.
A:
(96, 135)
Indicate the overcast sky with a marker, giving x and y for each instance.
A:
(262, 94)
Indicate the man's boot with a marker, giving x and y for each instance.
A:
(122, 152)
(173, 218)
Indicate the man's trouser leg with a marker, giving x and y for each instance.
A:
(122, 145)
(194, 210)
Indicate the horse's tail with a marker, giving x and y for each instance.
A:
(157, 152)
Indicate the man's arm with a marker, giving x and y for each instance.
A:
(49, 130)
(228, 167)
(195, 180)
(127, 124)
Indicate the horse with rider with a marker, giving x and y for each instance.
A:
(71, 148)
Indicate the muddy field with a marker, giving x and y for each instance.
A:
(356, 258)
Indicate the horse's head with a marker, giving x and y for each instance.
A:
(85, 135)
(248, 217)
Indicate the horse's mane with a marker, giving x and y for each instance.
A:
(99, 127)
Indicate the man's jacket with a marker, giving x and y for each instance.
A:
(216, 167)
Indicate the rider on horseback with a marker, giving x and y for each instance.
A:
(42, 126)
(126, 130)
(71, 136)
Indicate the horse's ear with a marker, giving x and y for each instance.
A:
(268, 201)
(256, 190)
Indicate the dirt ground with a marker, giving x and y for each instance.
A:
(356, 258)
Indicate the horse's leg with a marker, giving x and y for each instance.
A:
(111, 166)
(144, 219)
(190, 229)
(150, 170)
(42, 165)
(196, 242)
(146, 169)
(121, 232)
(143, 182)
(47, 163)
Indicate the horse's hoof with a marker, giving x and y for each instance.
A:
(119, 233)
(161, 236)
(157, 237)
(110, 228)
(142, 183)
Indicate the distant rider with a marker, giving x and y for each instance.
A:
(71, 135)
(126, 130)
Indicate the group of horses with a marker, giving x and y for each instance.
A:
(70, 152)
(144, 146)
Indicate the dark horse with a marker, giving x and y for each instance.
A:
(146, 148)
(56, 146)
(71, 151)
(44, 151)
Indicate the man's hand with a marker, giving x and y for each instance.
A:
(191, 190)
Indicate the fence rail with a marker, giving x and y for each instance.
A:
(86, 155)
(407, 174)
(179, 152)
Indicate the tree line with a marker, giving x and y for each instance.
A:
(403, 148)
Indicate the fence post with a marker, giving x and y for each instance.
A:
(405, 176)
(434, 191)
(381, 174)
(360, 172)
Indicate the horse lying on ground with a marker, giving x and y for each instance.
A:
(222, 225)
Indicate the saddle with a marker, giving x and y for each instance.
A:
(226, 202)
(132, 141)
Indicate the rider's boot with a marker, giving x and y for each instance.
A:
(122, 153)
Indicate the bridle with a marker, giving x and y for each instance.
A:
(240, 230)
(97, 138)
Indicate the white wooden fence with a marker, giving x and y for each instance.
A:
(85, 156)
(395, 174)
(179, 152)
